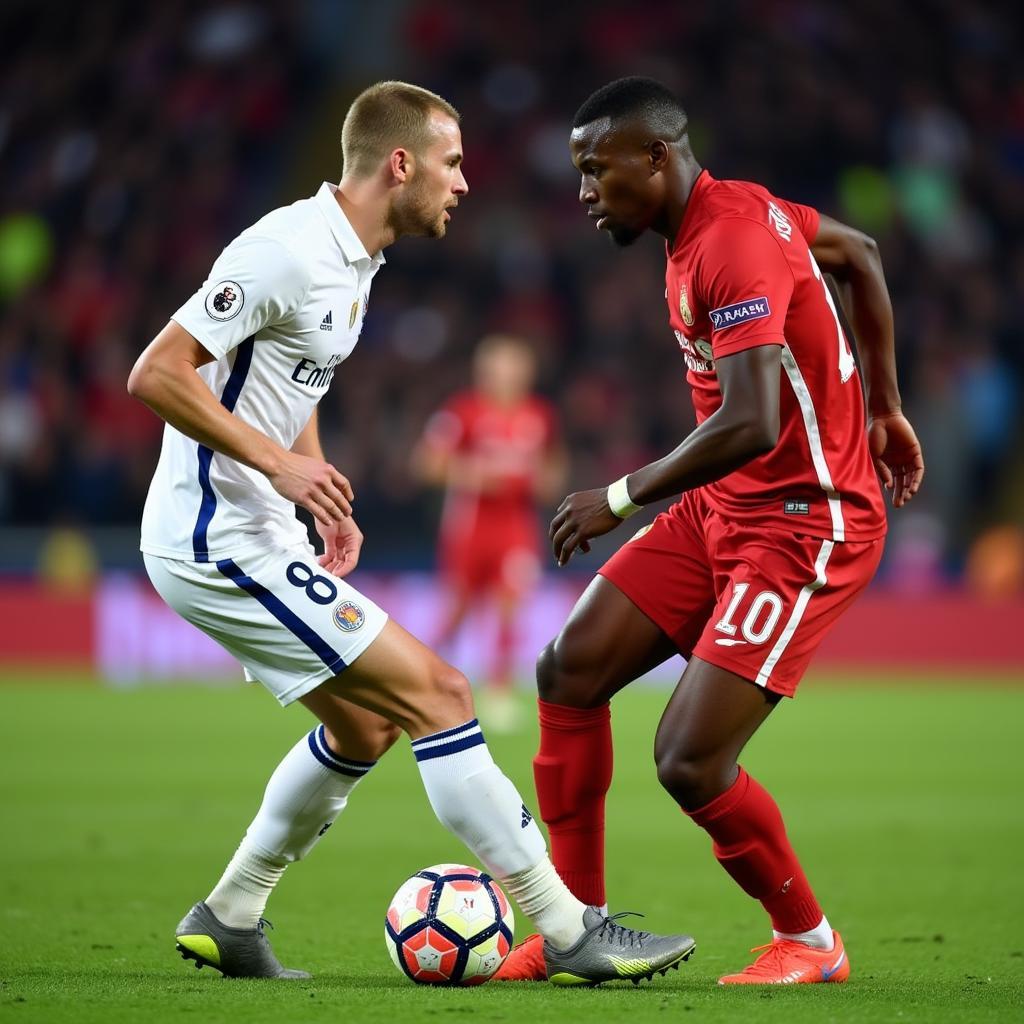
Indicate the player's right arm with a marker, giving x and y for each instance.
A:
(165, 379)
(255, 282)
(852, 258)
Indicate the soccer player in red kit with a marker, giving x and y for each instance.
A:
(780, 525)
(496, 451)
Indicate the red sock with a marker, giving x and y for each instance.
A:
(750, 842)
(573, 770)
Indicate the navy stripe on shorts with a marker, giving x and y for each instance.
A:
(316, 643)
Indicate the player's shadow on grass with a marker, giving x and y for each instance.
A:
(342, 982)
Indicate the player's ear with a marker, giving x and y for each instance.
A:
(658, 155)
(401, 164)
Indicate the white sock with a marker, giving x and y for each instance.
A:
(306, 793)
(819, 937)
(543, 896)
(474, 800)
(241, 895)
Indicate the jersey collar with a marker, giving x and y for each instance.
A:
(351, 247)
(693, 202)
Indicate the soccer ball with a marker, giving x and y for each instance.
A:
(449, 925)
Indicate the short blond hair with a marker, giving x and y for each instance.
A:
(385, 117)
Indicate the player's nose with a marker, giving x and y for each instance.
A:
(461, 186)
(588, 194)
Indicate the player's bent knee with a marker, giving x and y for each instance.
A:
(547, 673)
(567, 675)
(451, 692)
(691, 782)
(430, 695)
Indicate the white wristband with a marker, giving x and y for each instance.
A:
(619, 501)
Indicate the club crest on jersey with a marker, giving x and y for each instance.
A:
(740, 312)
(225, 300)
(352, 314)
(684, 307)
(348, 616)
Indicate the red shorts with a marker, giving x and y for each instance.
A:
(498, 556)
(753, 600)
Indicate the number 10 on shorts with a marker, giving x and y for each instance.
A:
(761, 618)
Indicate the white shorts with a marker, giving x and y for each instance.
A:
(290, 623)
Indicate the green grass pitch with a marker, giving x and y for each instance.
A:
(119, 809)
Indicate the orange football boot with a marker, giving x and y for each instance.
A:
(525, 962)
(785, 962)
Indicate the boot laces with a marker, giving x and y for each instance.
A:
(772, 958)
(617, 934)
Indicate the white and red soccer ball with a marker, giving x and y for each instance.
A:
(449, 925)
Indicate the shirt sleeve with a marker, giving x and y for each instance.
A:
(254, 282)
(747, 284)
(806, 218)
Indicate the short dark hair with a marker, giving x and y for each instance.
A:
(637, 98)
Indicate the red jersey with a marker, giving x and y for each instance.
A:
(741, 274)
(505, 445)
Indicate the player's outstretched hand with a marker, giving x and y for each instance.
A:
(581, 516)
(897, 454)
(342, 543)
(315, 485)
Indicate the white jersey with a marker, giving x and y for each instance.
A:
(282, 307)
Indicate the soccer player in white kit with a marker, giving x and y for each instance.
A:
(237, 374)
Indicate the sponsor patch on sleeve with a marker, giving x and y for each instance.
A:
(225, 300)
(740, 312)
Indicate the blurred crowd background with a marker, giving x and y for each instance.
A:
(136, 140)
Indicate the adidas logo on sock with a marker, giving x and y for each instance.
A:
(327, 324)
(527, 817)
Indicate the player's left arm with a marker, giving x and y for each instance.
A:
(853, 259)
(342, 541)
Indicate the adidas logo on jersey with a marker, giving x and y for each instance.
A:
(527, 817)
(327, 324)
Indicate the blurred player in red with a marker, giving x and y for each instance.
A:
(779, 528)
(495, 450)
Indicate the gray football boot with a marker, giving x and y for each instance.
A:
(611, 952)
(235, 952)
